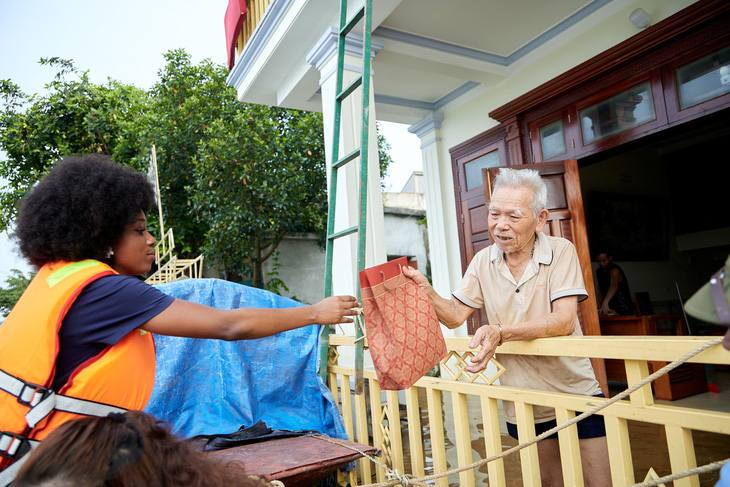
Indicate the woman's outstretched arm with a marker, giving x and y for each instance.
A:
(186, 319)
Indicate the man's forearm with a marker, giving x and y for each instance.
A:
(559, 322)
(452, 313)
(446, 310)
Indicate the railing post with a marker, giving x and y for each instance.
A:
(682, 454)
(463, 437)
(529, 457)
(436, 428)
(493, 441)
(415, 432)
(569, 449)
(619, 450)
(376, 408)
(636, 371)
(396, 438)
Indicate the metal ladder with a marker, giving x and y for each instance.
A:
(365, 12)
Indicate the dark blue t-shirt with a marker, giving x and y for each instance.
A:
(103, 313)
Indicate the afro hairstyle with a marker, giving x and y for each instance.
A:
(79, 209)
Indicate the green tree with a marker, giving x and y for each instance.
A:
(384, 158)
(74, 116)
(185, 100)
(234, 178)
(259, 176)
(16, 284)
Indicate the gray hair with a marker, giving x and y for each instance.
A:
(524, 178)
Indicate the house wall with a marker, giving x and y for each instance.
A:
(578, 44)
(404, 236)
(302, 263)
(302, 260)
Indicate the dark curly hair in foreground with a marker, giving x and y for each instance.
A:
(132, 449)
(79, 209)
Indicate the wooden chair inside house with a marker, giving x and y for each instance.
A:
(685, 380)
(643, 304)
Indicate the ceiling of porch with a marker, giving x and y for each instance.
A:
(431, 54)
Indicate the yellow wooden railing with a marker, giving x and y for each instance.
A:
(436, 425)
(169, 266)
(254, 12)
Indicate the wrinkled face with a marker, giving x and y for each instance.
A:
(134, 253)
(603, 261)
(511, 221)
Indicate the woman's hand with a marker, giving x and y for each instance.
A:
(336, 309)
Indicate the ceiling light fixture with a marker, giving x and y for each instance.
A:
(639, 18)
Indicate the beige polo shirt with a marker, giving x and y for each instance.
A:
(552, 273)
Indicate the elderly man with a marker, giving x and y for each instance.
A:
(529, 285)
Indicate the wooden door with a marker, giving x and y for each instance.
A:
(468, 160)
(566, 220)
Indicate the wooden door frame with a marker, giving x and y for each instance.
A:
(588, 308)
(701, 24)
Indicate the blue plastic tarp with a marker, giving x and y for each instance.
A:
(213, 386)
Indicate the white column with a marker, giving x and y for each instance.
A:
(324, 57)
(439, 213)
(428, 131)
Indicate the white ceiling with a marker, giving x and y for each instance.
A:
(430, 53)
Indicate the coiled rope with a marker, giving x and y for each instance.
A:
(408, 480)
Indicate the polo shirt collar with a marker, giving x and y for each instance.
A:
(543, 251)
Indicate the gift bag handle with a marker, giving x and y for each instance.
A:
(382, 274)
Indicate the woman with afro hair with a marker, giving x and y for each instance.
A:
(80, 329)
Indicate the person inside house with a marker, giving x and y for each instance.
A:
(81, 334)
(125, 450)
(614, 296)
(530, 285)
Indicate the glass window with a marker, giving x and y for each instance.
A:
(552, 139)
(473, 169)
(624, 111)
(704, 79)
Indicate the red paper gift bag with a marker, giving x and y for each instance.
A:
(403, 332)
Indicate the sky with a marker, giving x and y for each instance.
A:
(126, 40)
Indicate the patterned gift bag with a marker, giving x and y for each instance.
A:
(403, 332)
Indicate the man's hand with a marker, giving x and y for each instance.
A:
(487, 337)
(451, 313)
(417, 277)
(336, 309)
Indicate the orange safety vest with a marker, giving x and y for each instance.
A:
(120, 377)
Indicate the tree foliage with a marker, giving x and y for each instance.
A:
(258, 177)
(75, 116)
(185, 100)
(16, 284)
(234, 178)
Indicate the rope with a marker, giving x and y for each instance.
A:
(409, 480)
(710, 467)
(402, 479)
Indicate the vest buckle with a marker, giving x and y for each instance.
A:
(31, 394)
(13, 445)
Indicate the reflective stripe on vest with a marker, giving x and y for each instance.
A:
(119, 378)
